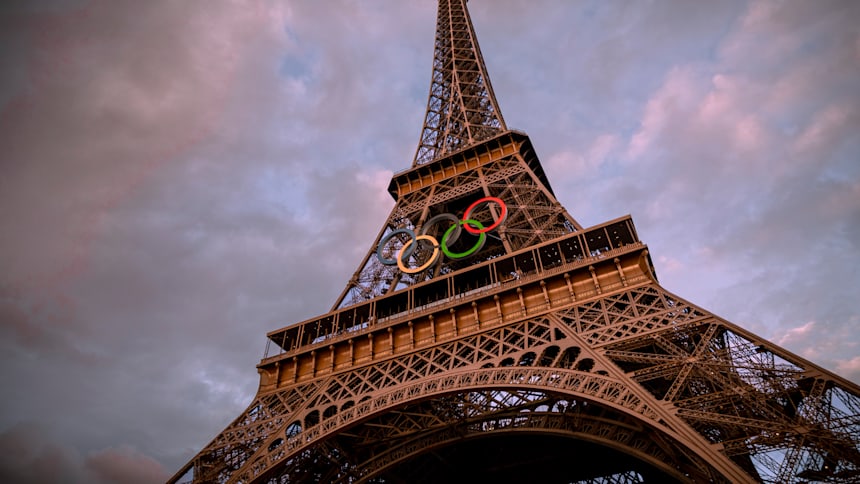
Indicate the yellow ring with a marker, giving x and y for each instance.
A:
(427, 264)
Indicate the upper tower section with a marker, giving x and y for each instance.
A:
(476, 191)
(461, 109)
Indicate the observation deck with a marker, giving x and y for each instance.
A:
(566, 270)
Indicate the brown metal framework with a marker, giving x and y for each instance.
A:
(461, 109)
(504, 166)
(552, 341)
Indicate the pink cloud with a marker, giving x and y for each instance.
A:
(125, 465)
(824, 127)
(669, 264)
(849, 368)
(577, 164)
(667, 105)
(29, 453)
(150, 100)
(796, 334)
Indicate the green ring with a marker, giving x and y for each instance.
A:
(459, 255)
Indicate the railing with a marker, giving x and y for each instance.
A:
(485, 323)
(373, 323)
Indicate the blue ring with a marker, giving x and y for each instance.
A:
(392, 262)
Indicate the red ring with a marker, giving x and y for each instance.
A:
(488, 228)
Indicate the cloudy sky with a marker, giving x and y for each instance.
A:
(178, 178)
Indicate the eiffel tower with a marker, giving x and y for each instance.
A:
(487, 335)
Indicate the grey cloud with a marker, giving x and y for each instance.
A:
(30, 456)
(181, 179)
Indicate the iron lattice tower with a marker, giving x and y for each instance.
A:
(520, 345)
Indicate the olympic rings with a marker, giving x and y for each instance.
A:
(474, 204)
(451, 235)
(427, 264)
(459, 255)
(391, 262)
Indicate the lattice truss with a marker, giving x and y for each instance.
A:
(461, 109)
(638, 371)
(534, 216)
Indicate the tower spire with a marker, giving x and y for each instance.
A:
(461, 109)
